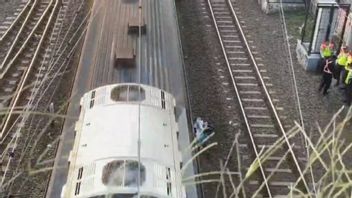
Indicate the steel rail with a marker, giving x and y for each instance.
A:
(25, 78)
(38, 83)
(46, 12)
(293, 73)
(8, 146)
(7, 32)
(268, 97)
(1, 76)
(55, 54)
(294, 82)
(48, 54)
(239, 100)
(2, 139)
(67, 59)
(69, 28)
(14, 43)
(74, 149)
(23, 83)
(55, 61)
(139, 146)
(28, 71)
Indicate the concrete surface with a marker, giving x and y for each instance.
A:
(309, 62)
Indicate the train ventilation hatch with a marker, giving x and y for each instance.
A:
(91, 104)
(127, 93)
(163, 106)
(80, 173)
(78, 187)
(168, 180)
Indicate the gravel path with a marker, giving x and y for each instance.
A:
(209, 95)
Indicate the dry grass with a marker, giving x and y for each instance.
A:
(327, 170)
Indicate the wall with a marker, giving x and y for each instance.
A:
(272, 6)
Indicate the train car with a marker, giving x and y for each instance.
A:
(125, 132)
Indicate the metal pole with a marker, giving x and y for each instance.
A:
(305, 24)
(312, 34)
(139, 95)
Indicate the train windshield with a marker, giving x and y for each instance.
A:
(123, 173)
(127, 93)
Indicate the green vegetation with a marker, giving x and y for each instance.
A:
(295, 22)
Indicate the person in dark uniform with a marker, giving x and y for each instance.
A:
(326, 51)
(327, 75)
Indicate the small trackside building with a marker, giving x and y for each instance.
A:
(125, 132)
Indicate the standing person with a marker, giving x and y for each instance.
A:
(344, 75)
(326, 51)
(349, 60)
(348, 82)
(340, 65)
(327, 76)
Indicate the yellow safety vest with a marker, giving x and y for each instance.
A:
(326, 51)
(349, 60)
(348, 79)
(342, 58)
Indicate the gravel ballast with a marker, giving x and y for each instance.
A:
(36, 149)
(7, 8)
(209, 95)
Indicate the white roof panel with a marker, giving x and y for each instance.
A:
(112, 130)
(108, 132)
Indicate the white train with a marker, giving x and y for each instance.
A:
(105, 158)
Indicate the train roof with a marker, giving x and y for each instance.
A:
(111, 129)
(113, 118)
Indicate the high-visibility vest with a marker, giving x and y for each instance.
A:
(342, 58)
(326, 50)
(349, 60)
(348, 79)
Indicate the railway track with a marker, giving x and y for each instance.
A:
(259, 113)
(23, 63)
(12, 28)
